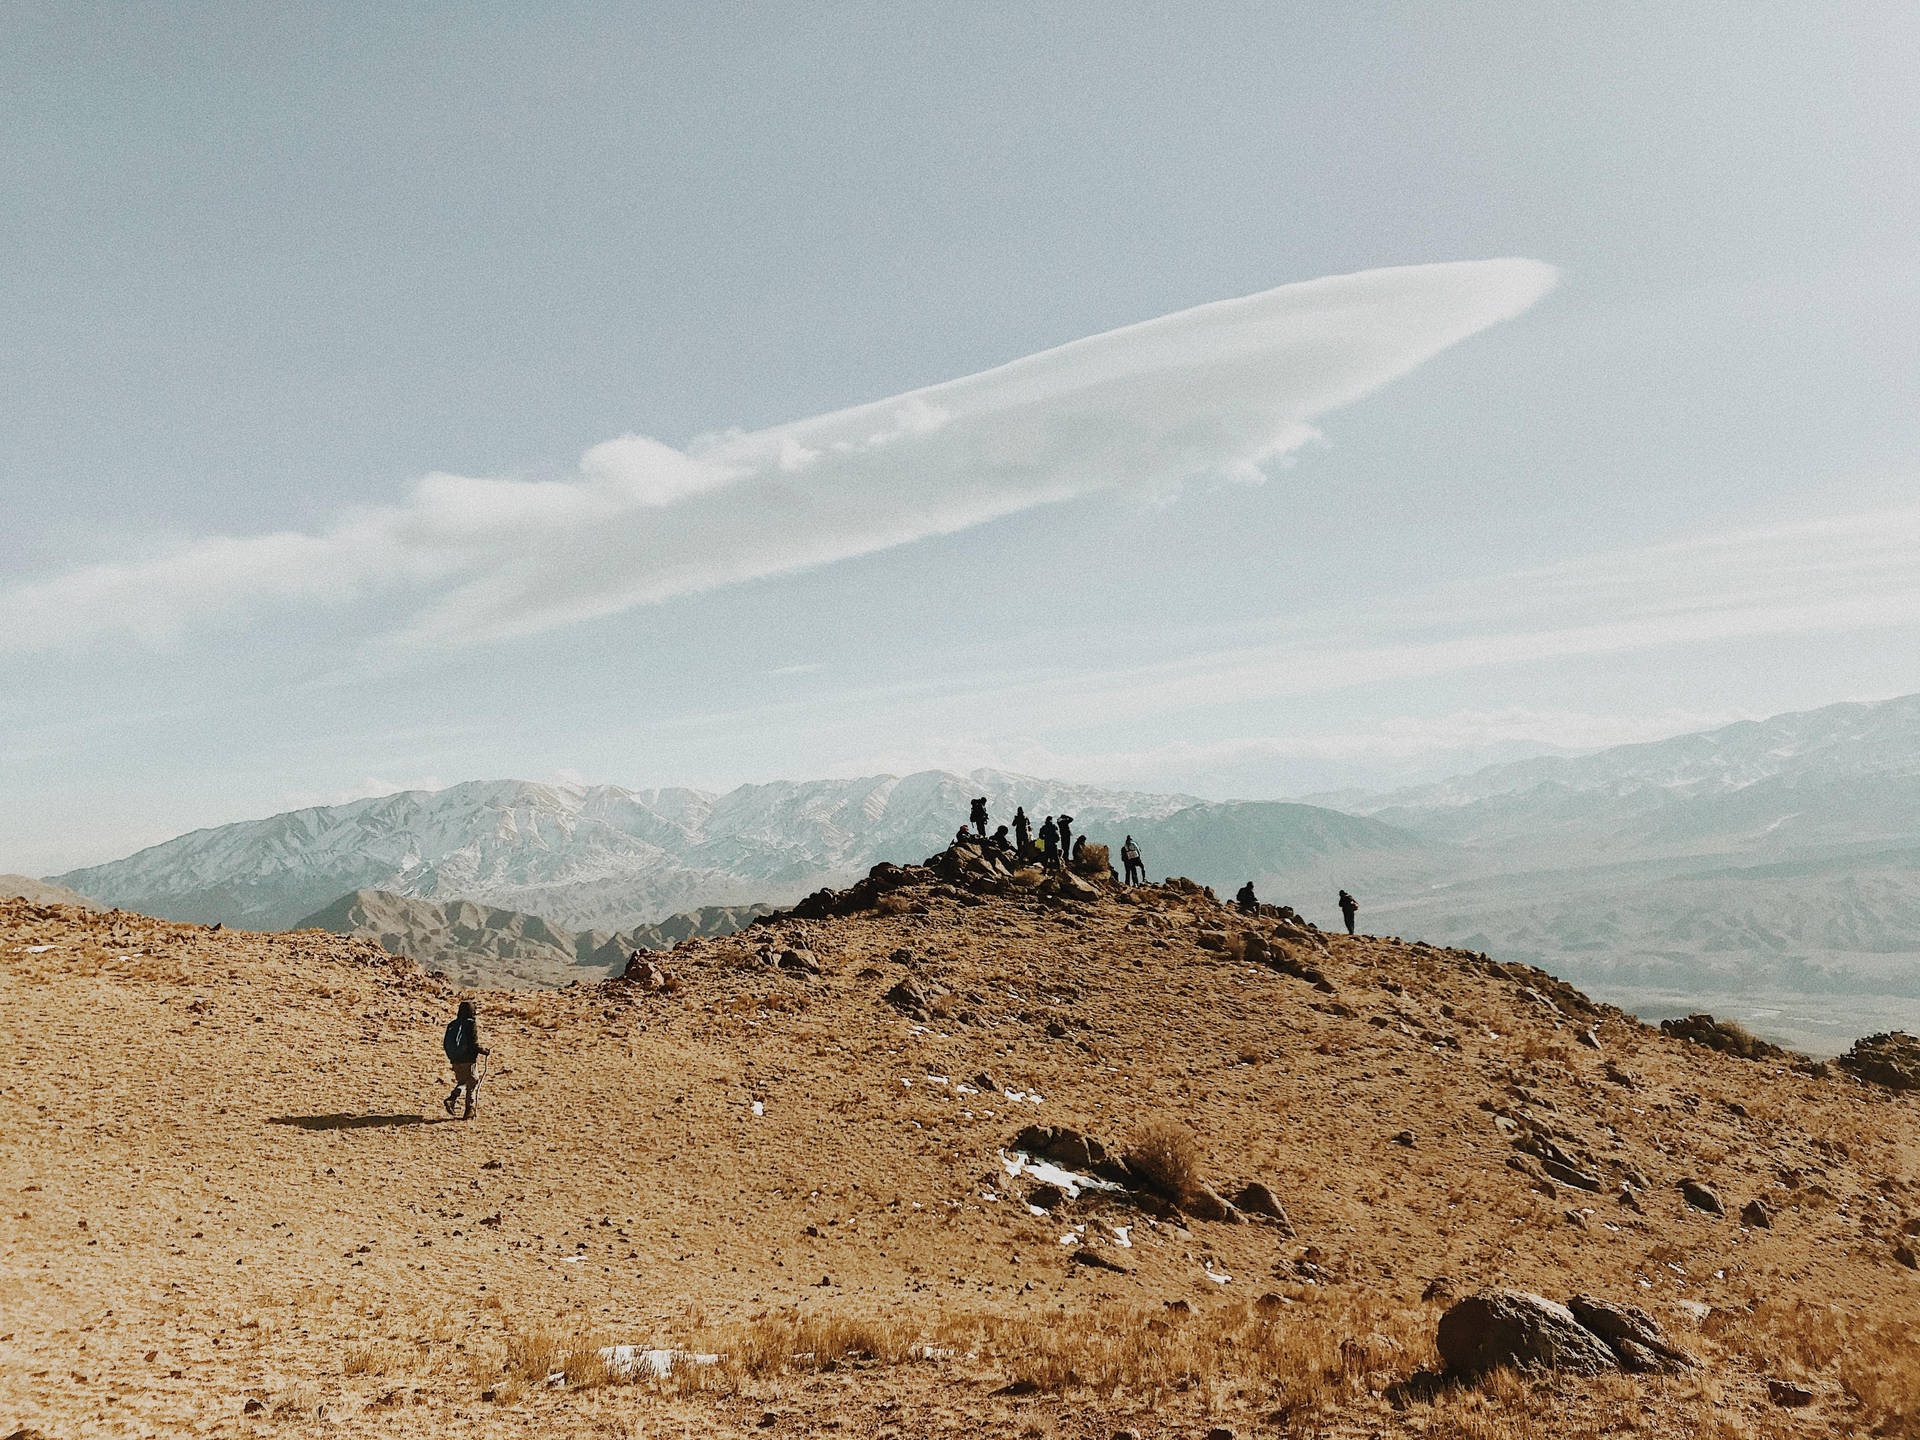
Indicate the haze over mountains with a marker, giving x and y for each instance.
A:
(1767, 869)
(600, 857)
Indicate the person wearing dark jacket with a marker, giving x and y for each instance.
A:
(1066, 839)
(1349, 907)
(1049, 844)
(978, 816)
(463, 1048)
(1246, 899)
(1136, 867)
(1022, 831)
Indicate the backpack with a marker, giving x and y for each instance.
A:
(463, 1042)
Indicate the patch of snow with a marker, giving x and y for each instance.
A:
(1020, 1163)
(759, 1108)
(1219, 1277)
(625, 1360)
(38, 949)
(938, 1080)
(1120, 1237)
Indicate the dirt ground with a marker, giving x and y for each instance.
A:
(230, 1201)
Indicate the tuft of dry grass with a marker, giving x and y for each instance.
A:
(1166, 1156)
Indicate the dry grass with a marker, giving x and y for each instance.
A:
(1869, 1358)
(1165, 1154)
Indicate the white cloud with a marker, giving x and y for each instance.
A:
(1221, 390)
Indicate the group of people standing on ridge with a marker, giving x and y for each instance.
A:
(1051, 846)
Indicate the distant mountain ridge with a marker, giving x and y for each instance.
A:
(604, 858)
(481, 946)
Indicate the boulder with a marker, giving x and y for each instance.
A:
(1204, 1203)
(1788, 1394)
(646, 974)
(1517, 1328)
(1094, 1260)
(1632, 1334)
(1701, 1197)
(1892, 1060)
(1756, 1216)
(913, 999)
(1047, 1197)
(1257, 1199)
(804, 961)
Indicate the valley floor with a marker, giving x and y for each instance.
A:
(230, 1202)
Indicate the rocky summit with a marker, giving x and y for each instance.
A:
(964, 1149)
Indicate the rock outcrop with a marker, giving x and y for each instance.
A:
(1522, 1330)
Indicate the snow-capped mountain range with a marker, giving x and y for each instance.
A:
(600, 857)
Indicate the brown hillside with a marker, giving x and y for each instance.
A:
(232, 1204)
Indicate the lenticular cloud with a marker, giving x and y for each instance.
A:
(1216, 391)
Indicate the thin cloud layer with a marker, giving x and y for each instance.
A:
(1217, 391)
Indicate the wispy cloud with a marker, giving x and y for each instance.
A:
(1218, 391)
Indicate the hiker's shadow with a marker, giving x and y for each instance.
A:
(349, 1122)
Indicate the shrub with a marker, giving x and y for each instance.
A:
(1166, 1156)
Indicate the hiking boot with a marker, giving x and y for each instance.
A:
(468, 1114)
(447, 1104)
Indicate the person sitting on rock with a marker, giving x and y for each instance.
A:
(463, 1048)
(1246, 899)
(1079, 851)
(1022, 832)
(978, 816)
(1136, 867)
(999, 841)
(1349, 907)
(1049, 843)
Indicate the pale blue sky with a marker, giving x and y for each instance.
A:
(266, 264)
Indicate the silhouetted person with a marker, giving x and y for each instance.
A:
(1136, 867)
(1049, 843)
(1246, 899)
(1066, 838)
(1349, 907)
(463, 1049)
(978, 816)
(1022, 830)
(1000, 842)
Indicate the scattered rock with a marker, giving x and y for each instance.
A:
(1726, 1036)
(801, 960)
(253, 1406)
(646, 974)
(1520, 1329)
(1788, 1394)
(1220, 1432)
(1203, 1203)
(1257, 1199)
(1892, 1060)
(1701, 1197)
(1589, 1039)
(1094, 1260)
(1755, 1215)
(1633, 1335)
(1405, 1137)
(1047, 1197)
(912, 999)
(1438, 1288)
(1907, 1255)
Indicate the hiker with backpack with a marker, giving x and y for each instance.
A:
(1066, 841)
(978, 816)
(1349, 907)
(1136, 867)
(1022, 832)
(463, 1048)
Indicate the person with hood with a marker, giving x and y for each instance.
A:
(1049, 843)
(1066, 839)
(1136, 867)
(1022, 831)
(1246, 899)
(463, 1048)
(1349, 907)
(978, 816)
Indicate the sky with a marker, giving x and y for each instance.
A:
(1249, 401)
